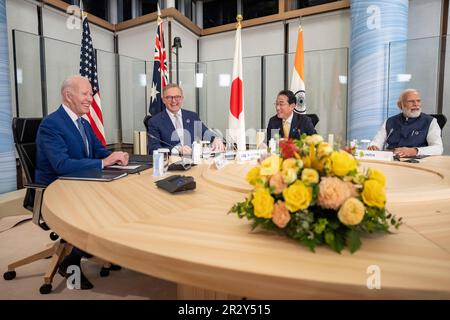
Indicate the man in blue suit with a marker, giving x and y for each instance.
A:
(176, 128)
(66, 143)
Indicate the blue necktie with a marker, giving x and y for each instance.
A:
(83, 135)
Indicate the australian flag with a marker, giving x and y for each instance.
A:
(159, 71)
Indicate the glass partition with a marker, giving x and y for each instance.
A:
(446, 101)
(420, 71)
(421, 68)
(326, 89)
(218, 82)
(28, 73)
(133, 107)
(107, 78)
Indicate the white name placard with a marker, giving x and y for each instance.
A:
(249, 155)
(374, 155)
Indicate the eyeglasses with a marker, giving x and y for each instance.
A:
(177, 98)
(280, 104)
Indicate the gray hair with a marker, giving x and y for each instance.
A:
(170, 86)
(403, 95)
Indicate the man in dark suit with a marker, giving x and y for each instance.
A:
(176, 128)
(66, 143)
(287, 123)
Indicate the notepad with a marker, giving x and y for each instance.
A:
(94, 175)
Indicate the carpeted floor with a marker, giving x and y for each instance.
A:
(26, 239)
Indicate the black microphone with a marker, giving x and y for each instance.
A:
(385, 144)
(166, 143)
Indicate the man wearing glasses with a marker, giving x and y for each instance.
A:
(176, 128)
(287, 123)
(411, 132)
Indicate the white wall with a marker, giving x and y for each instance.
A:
(424, 18)
(139, 42)
(188, 51)
(256, 41)
(322, 31)
(55, 26)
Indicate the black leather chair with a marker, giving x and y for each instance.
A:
(24, 133)
(314, 118)
(146, 120)
(441, 120)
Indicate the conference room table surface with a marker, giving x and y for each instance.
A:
(189, 238)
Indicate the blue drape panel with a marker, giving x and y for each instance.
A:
(7, 156)
(374, 24)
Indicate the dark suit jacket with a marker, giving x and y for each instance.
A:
(300, 124)
(60, 148)
(162, 133)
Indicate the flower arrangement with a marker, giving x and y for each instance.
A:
(316, 195)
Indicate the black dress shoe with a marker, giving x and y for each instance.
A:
(85, 284)
(115, 267)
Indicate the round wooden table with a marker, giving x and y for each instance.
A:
(190, 239)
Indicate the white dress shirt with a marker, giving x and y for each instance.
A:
(434, 140)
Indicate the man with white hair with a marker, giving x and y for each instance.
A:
(65, 143)
(411, 132)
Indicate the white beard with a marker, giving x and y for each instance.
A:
(411, 114)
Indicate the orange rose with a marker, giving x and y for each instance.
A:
(280, 215)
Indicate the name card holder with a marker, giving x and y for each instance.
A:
(249, 155)
(374, 155)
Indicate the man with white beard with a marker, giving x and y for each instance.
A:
(410, 132)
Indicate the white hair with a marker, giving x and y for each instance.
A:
(71, 82)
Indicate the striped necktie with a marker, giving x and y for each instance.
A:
(83, 135)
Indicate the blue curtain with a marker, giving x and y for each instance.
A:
(374, 24)
(7, 156)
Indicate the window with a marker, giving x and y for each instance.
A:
(309, 3)
(98, 8)
(124, 10)
(255, 8)
(149, 6)
(219, 12)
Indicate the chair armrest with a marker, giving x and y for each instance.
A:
(39, 194)
(35, 186)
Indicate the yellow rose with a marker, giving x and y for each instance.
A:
(297, 196)
(290, 163)
(373, 194)
(351, 212)
(377, 175)
(270, 165)
(313, 139)
(342, 163)
(310, 176)
(253, 176)
(289, 175)
(262, 203)
(324, 149)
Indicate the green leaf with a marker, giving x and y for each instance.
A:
(353, 240)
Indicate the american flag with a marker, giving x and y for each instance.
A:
(88, 69)
(160, 78)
